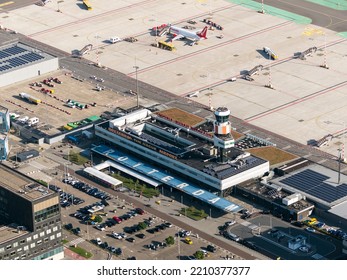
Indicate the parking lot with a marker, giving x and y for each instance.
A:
(60, 113)
(148, 243)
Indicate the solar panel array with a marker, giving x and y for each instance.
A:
(312, 183)
(15, 56)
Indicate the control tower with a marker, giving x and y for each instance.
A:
(223, 140)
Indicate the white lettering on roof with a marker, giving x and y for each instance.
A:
(122, 158)
(138, 164)
(214, 200)
(167, 178)
(152, 171)
(182, 185)
(198, 192)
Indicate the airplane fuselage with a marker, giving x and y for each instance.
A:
(185, 33)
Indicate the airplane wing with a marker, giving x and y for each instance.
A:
(177, 37)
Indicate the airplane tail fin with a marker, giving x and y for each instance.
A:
(203, 33)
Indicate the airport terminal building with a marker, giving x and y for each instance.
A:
(30, 222)
(168, 150)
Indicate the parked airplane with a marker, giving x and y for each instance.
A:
(180, 33)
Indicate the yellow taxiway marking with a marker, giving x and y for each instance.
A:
(312, 31)
(6, 3)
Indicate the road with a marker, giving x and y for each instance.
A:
(335, 20)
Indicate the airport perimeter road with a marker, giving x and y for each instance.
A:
(235, 250)
(322, 16)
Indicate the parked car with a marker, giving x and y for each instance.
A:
(116, 235)
(100, 227)
(140, 211)
(298, 224)
(141, 235)
(188, 241)
(309, 229)
(98, 241)
(211, 248)
(117, 219)
(230, 223)
(130, 239)
(233, 237)
(69, 226)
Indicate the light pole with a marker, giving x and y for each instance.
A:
(339, 171)
(137, 84)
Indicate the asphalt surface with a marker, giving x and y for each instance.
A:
(322, 16)
(335, 20)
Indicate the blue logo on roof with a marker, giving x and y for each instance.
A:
(172, 181)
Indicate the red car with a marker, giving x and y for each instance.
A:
(139, 211)
(117, 219)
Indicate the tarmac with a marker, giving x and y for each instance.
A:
(206, 67)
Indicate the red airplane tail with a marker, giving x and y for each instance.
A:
(203, 33)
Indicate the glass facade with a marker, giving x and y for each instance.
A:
(49, 254)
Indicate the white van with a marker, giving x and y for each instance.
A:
(114, 40)
(33, 121)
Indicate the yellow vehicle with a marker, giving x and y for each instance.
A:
(312, 221)
(158, 202)
(188, 241)
(88, 6)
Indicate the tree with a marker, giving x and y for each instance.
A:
(202, 213)
(142, 225)
(170, 240)
(199, 255)
(98, 219)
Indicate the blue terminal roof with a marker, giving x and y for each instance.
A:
(172, 181)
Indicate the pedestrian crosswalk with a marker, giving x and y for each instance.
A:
(75, 242)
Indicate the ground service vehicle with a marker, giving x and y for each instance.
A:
(114, 40)
(30, 98)
(87, 5)
(270, 53)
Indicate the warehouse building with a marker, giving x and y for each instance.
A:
(23, 156)
(19, 62)
(30, 221)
